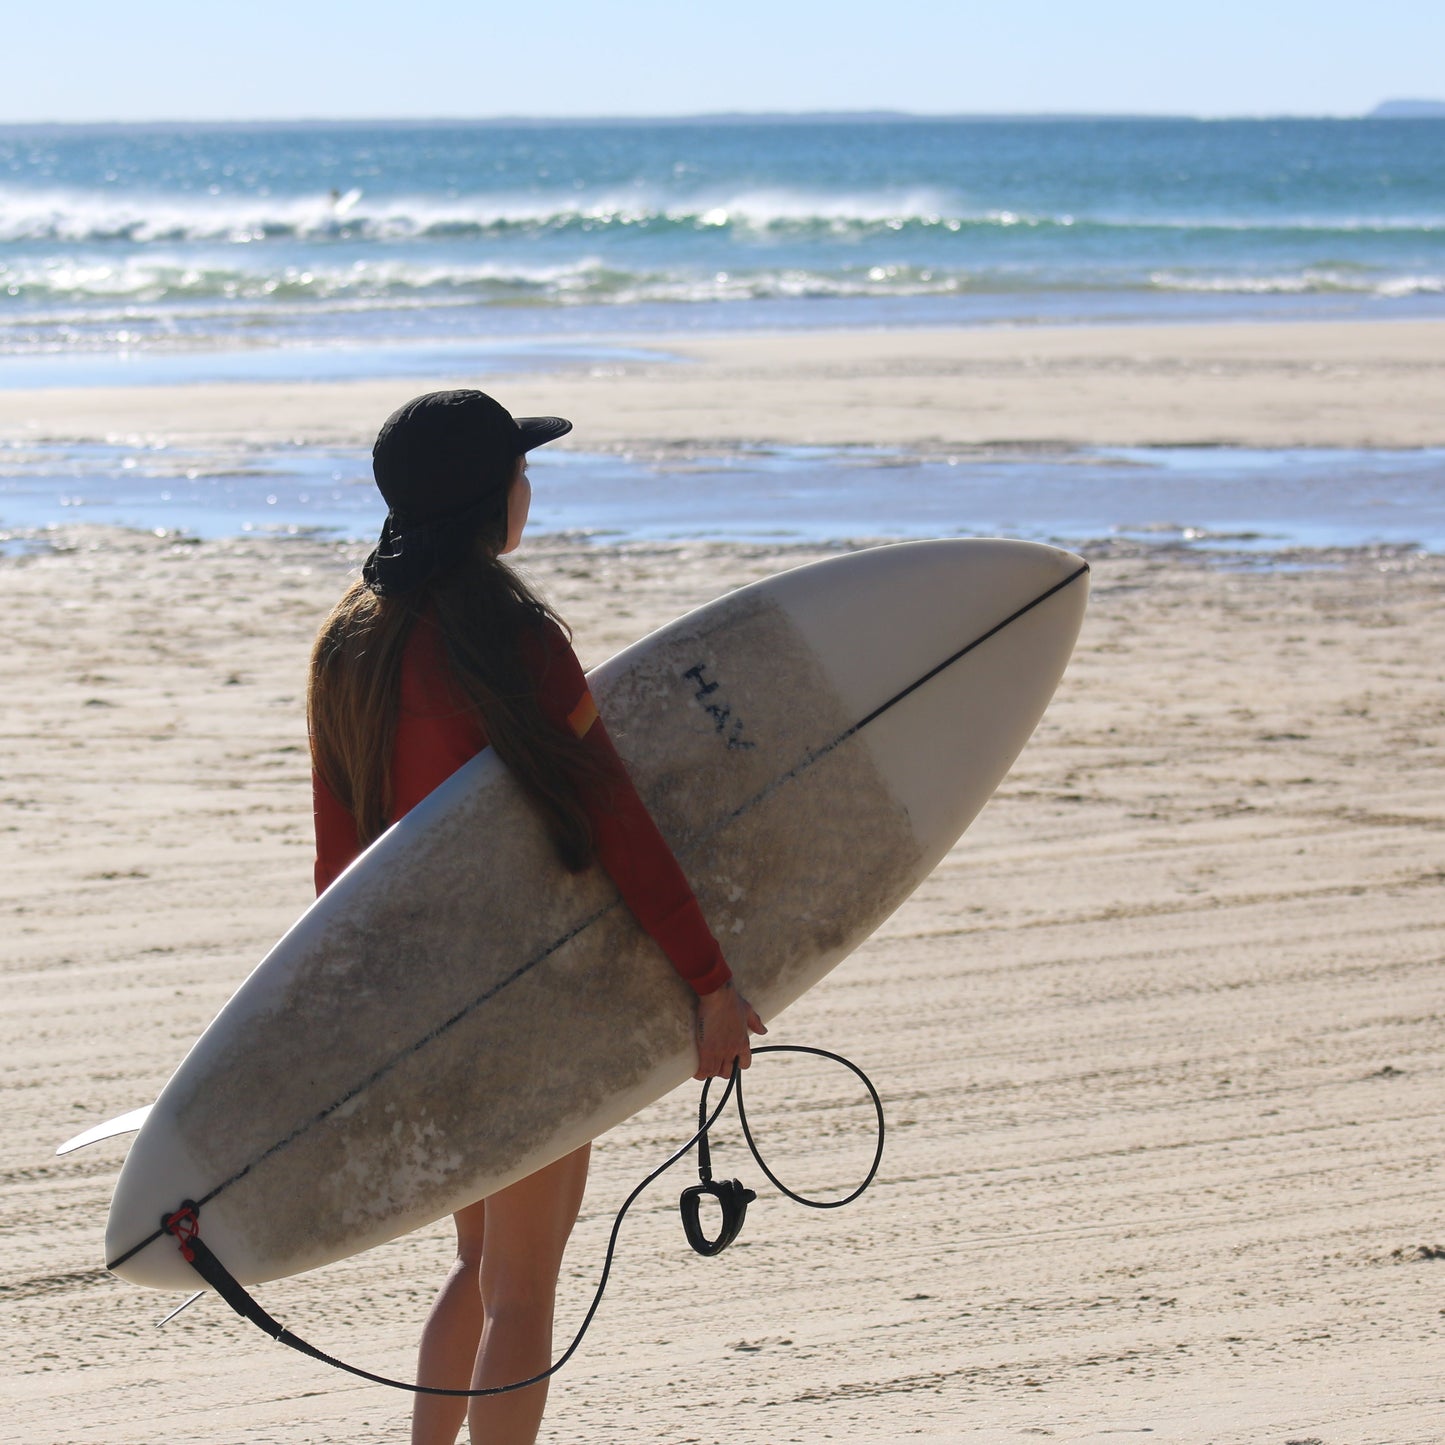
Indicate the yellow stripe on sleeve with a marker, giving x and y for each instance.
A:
(583, 715)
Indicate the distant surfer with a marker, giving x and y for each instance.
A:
(439, 650)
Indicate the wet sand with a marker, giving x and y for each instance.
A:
(1159, 1042)
(1277, 384)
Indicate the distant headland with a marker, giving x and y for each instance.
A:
(1408, 110)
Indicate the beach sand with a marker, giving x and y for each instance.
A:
(1159, 1042)
(1280, 384)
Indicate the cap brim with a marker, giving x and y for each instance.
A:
(537, 431)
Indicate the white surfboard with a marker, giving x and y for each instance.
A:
(457, 1010)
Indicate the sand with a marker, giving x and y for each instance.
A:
(1300, 384)
(1159, 1042)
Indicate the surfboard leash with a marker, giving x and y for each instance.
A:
(184, 1225)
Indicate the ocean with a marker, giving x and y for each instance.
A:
(256, 237)
(167, 253)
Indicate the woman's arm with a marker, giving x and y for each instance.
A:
(631, 848)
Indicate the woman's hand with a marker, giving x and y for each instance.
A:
(724, 1019)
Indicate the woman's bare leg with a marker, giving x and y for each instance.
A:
(452, 1337)
(527, 1229)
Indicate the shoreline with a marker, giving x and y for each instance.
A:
(1296, 384)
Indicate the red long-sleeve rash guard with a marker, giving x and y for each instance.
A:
(437, 732)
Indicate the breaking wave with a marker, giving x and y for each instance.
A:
(97, 218)
(161, 279)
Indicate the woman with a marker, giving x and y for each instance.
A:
(437, 652)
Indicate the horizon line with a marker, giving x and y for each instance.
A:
(724, 117)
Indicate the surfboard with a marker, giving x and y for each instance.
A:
(457, 1010)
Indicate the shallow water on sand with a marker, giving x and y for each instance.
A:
(1209, 500)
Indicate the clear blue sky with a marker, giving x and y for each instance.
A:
(260, 59)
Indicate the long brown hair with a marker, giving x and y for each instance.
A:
(483, 611)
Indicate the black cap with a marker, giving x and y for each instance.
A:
(443, 464)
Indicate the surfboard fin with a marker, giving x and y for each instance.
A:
(185, 1304)
(121, 1124)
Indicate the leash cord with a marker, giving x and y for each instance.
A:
(184, 1226)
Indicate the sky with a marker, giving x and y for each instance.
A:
(302, 59)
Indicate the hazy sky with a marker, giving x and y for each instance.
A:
(150, 59)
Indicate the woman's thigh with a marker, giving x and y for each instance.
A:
(528, 1225)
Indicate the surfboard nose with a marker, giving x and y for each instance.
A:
(947, 654)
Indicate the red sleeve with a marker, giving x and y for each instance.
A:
(336, 843)
(629, 845)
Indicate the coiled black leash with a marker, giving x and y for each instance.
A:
(732, 1196)
(184, 1226)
